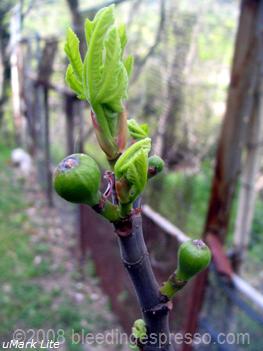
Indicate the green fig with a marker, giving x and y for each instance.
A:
(155, 165)
(193, 257)
(77, 179)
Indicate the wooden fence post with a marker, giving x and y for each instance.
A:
(79, 107)
(29, 96)
(69, 114)
(41, 115)
(16, 61)
(49, 191)
(247, 196)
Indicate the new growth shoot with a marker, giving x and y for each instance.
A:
(102, 80)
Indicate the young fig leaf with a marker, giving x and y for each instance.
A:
(131, 171)
(93, 63)
(72, 51)
(103, 77)
(128, 63)
(139, 329)
(137, 131)
(74, 72)
(74, 83)
(88, 30)
(122, 35)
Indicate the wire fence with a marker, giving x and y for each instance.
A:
(233, 321)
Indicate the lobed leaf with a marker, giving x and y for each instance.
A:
(103, 77)
(111, 67)
(94, 58)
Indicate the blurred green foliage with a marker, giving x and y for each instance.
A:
(188, 194)
(184, 198)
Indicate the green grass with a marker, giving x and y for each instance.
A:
(20, 298)
(24, 303)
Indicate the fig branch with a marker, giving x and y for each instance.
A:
(102, 79)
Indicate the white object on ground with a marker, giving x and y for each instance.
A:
(22, 160)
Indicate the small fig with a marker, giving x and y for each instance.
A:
(155, 165)
(77, 179)
(193, 257)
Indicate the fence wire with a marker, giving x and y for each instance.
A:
(230, 319)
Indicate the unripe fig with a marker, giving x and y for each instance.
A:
(77, 179)
(155, 165)
(193, 257)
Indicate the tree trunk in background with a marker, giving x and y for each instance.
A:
(247, 196)
(4, 60)
(29, 96)
(233, 134)
(231, 142)
(4, 72)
